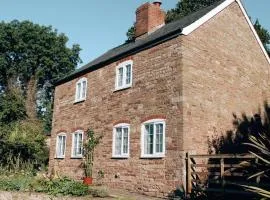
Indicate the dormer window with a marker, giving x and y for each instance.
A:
(81, 89)
(124, 75)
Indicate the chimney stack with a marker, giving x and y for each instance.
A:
(149, 18)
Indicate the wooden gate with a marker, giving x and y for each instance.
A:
(219, 173)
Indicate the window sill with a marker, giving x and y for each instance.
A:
(79, 101)
(122, 88)
(59, 158)
(120, 157)
(76, 157)
(152, 156)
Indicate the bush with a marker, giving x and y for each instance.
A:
(15, 183)
(63, 186)
(25, 182)
(22, 146)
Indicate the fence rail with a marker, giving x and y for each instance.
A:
(224, 170)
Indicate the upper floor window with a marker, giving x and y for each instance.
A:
(77, 144)
(153, 138)
(121, 140)
(124, 75)
(60, 145)
(81, 89)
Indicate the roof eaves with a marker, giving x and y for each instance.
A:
(87, 68)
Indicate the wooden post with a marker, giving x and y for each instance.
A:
(189, 177)
(222, 172)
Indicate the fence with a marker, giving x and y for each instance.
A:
(219, 173)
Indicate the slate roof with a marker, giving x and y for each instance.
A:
(167, 32)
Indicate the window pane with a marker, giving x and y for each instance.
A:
(128, 74)
(80, 144)
(58, 153)
(120, 77)
(118, 141)
(84, 89)
(125, 140)
(61, 145)
(149, 137)
(159, 138)
(77, 145)
(79, 90)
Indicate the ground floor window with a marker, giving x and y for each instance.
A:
(61, 145)
(77, 144)
(121, 140)
(153, 138)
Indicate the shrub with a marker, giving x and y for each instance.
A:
(22, 146)
(63, 186)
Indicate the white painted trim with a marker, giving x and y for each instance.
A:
(154, 155)
(253, 30)
(121, 125)
(81, 80)
(123, 65)
(72, 144)
(189, 29)
(56, 149)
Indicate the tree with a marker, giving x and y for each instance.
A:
(263, 34)
(186, 7)
(32, 57)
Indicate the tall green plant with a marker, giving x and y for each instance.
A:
(261, 150)
(89, 148)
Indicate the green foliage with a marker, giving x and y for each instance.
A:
(32, 57)
(89, 148)
(131, 34)
(263, 34)
(16, 183)
(260, 148)
(25, 183)
(186, 7)
(11, 107)
(22, 144)
(62, 186)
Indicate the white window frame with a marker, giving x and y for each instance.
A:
(57, 139)
(155, 154)
(72, 146)
(80, 98)
(124, 66)
(122, 155)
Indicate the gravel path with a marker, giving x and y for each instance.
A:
(115, 195)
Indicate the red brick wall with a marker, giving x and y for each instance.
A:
(155, 93)
(148, 17)
(225, 72)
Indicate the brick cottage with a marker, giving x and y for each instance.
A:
(160, 96)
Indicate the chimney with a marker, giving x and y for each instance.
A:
(149, 18)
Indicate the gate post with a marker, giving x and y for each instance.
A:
(189, 177)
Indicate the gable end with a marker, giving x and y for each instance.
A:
(192, 27)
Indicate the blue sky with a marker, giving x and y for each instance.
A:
(97, 25)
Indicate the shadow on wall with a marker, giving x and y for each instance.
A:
(244, 126)
(233, 143)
